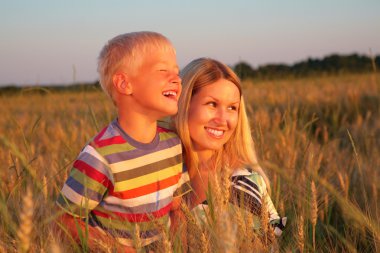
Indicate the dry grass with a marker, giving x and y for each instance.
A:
(323, 132)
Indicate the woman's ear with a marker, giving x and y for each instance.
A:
(122, 84)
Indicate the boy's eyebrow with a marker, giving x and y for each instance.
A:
(166, 63)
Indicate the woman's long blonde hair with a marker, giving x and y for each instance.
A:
(239, 150)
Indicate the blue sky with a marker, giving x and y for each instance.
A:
(43, 41)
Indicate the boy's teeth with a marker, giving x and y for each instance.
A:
(169, 93)
(215, 132)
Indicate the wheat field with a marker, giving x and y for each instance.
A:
(318, 139)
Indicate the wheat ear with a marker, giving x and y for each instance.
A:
(26, 220)
(314, 210)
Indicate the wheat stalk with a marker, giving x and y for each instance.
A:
(300, 234)
(137, 239)
(204, 243)
(225, 185)
(241, 229)
(326, 204)
(314, 210)
(264, 220)
(165, 244)
(45, 188)
(54, 247)
(343, 184)
(26, 222)
(194, 231)
(225, 226)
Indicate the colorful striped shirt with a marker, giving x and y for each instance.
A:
(120, 183)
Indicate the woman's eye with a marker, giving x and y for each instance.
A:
(163, 70)
(232, 108)
(213, 104)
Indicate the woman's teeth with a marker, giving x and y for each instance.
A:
(217, 133)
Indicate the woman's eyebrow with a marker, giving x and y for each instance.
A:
(210, 97)
(214, 98)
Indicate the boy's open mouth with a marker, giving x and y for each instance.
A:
(170, 94)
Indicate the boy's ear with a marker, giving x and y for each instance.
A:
(122, 84)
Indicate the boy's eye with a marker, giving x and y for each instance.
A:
(162, 70)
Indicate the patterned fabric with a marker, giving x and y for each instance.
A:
(248, 190)
(119, 182)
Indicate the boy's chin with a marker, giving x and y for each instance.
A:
(172, 113)
(169, 112)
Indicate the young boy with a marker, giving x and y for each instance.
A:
(124, 179)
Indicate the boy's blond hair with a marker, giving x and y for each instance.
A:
(239, 149)
(125, 52)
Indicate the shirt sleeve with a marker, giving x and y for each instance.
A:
(89, 180)
(249, 191)
(246, 192)
(278, 223)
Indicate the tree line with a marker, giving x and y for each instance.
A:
(330, 65)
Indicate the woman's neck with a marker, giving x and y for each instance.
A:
(204, 157)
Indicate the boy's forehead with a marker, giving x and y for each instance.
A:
(149, 47)
(160, 56)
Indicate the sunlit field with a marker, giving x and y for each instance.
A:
(318, 140)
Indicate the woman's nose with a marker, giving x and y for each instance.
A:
(221, 116)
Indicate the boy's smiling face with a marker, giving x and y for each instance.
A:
(156, 84)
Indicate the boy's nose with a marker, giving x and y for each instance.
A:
(176, 79)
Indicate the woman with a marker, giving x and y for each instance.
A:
(213, 126)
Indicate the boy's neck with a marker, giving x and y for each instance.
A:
(140, 129)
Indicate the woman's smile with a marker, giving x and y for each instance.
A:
(213, 115)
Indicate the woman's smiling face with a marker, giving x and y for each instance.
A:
(213, 115)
